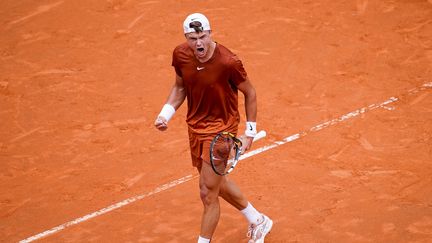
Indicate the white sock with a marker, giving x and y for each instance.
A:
(251, 214)
(203, 240)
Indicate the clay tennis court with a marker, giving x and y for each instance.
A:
(344, 91)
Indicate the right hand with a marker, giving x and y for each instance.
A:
(161, 123)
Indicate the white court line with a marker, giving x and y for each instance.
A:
(110, 208)
(244, 156)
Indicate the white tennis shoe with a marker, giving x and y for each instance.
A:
(257, 232)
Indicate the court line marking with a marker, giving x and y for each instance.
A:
(187, 178)
(110, 208)
(41, 9)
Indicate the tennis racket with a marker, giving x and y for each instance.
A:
(225, 151)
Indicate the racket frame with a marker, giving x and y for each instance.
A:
(237, 147)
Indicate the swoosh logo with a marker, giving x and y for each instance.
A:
(200, 68)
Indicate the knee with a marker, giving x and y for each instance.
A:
(208, 197)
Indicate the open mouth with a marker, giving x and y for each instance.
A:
(200, 52)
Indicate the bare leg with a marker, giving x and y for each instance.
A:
(209, 192)
(231, 193)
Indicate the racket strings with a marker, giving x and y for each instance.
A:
(222, 148)
(224, 152)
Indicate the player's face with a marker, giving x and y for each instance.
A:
(200, 43)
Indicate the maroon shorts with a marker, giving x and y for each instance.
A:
(200, 146)
(200, 149)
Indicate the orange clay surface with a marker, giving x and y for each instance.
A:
(82, 81)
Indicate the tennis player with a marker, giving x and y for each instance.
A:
(209, 76)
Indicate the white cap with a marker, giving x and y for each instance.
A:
(205, 24)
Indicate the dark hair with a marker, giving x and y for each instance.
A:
(197, 26)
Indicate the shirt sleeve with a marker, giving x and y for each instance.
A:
(175, 62)
(238, 73)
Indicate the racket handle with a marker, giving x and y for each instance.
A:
(259, 135)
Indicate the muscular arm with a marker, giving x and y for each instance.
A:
(250, 106)
(175, 99)
(250, 100)
(177, 94)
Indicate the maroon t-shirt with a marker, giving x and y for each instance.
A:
(211, 89)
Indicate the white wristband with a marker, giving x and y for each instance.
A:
(167, 111)
(251, 130)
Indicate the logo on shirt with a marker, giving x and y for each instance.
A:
(200, 68)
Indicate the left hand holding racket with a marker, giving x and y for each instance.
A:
(246, 143)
